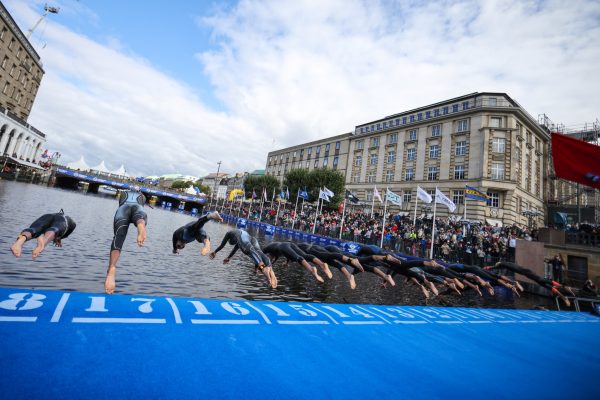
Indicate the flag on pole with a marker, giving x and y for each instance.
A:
(303, 194)
(253, 194)
(442, 199)
(576, 160)
(474, 194)
(376, 195)
(328, 192)
(423, 195)
(265, 194)
(323, 195)
(393, 197)
(350, 196)
(287, 193)
(282, 195)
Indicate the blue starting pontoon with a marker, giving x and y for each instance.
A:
(92, 346)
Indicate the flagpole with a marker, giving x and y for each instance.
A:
(316, 212)
(465, 217)
(241, 203)
(296, 208)
(262, 202)
(383, 222)
(433, 226)
(373, 204)
(231, 205)
(415, 217)
(343, 215)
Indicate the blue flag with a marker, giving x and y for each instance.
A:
(303, 194)
(474, 194)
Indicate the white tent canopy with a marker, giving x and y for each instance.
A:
(120, 171)
(101, 168)
(80, 165)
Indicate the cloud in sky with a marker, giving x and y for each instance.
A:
(302, 70)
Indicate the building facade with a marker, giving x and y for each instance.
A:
(21, 69)
(330, 153)
(19, 141)
(484, 140)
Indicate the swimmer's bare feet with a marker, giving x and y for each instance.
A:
(518, 285)
(141, 237)
(425, 291)
(458, 284)
(17, 247)
(352, 282)
(109, 283)
(41, 244)
(390, 280)
(327, 271)
(215, 216)
(317, 276)
(356, 264)
(206, 248)
(433, 288)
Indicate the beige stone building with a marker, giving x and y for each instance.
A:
(21, 69)
(330, 152)
(484, 140)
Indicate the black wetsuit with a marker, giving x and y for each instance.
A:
(59, 223)
(130, 211)
(190, 232)
(474, 269)
(547, 283)
(241, 239)
(287, 250)
(321, 253)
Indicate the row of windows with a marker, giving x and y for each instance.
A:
(411, 154)
(415, 117)
(412, 134)
(308, 152)
(433, 173)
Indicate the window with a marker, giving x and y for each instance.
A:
(325, 161)
(373, 159)
(307, 164)
(4, 62)
(428, 114)
(374, 142)
(392, 138)
(3, 33)
(19, 52)
(431, 192)
(335, 161)
(461, 148)
(317, 150)
(462, 125)
(389, 176)
(327, 147)
(433, 173)
(378, 126)
(493, 101)
(458, 197)
(493, 199)
(436, 130)
(6, 86)
(369, 194)
(403, 120)
(337, 145)
(411, 154)
(355, 178)
(412, 134)
(309, 151)
(360, 144)
(12, 70)
(409, 174)
(434, 151)
(294, 155)
(498, 145)
(436, 112)
(370, 176)
(301, 153)
(11, 44)
(498, 170)
(316, 165)
(454, 107)
(358, 161)
(419, 116)
(495, 122)
(465, 105)
(391, 157)
(412, 118)
(407, 197)
(459, 172)
(445, 110)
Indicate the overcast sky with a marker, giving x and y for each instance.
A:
(176, 86)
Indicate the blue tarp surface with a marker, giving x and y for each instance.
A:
(81, 345)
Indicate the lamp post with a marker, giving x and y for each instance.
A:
(215, 185)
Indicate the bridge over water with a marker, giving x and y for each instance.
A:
(70, 179)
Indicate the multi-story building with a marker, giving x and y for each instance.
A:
(21, 69)
(330, 152)
(484, 140)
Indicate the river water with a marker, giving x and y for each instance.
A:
(80, 265)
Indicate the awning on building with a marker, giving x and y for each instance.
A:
(494, 222)
(23, 162)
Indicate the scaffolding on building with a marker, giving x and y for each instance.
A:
(563, 192)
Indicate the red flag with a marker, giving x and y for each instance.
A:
(576, 160)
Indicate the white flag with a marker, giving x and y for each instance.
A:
(393, 197)
(423, 195)
(377, 195)
(328, 192)
(323, 195)
(442, 199)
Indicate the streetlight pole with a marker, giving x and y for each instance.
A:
(215, 185)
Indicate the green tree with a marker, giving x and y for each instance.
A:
(181, 184)
(297, 179)
(258, 183)
(332, 180)
(203, 188)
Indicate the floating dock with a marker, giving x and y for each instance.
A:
(56, 344)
